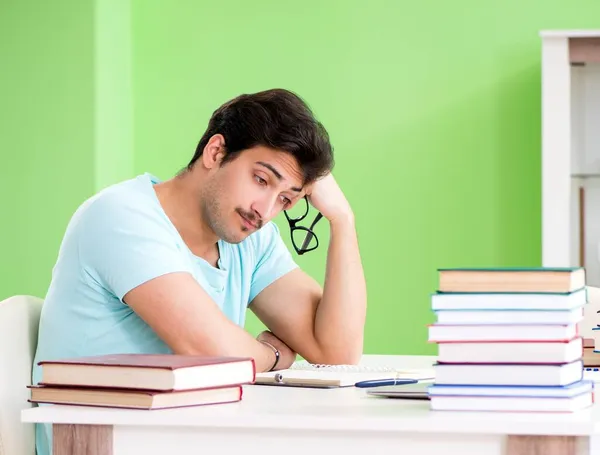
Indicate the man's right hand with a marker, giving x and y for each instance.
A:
(286, 355)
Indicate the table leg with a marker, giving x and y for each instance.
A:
(82, 439)
(541, 445)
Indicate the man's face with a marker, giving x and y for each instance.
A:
(244, 194)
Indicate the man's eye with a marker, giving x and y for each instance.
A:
(285, 201)
(260, 180)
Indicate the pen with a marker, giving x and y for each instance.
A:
(384, 382)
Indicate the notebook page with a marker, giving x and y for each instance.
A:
(305, 366)
(303, 373)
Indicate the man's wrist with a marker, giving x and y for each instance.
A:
(275, 351)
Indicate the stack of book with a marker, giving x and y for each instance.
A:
(143, 381)
(508, 340)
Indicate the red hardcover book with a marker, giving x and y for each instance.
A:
(165, 372)
(133, 399)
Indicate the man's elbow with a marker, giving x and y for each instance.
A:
(345, 360)
(343, 356)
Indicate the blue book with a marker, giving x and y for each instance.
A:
(566, 391)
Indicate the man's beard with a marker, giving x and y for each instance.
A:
(216, 220)
(211, 212)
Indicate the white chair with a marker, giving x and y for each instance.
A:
(19, 319)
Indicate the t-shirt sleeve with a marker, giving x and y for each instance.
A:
(125, 243)
(273, 259)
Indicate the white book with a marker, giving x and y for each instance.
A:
(507, 332)
(510, 352)
(509, 301)
(511, 404)
(558, 317)
(508, 374)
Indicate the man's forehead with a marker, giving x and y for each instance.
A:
(280, 175)
(281, 165)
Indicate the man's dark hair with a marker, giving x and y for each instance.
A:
(278, 119)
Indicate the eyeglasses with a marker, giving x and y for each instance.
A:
(303, 236)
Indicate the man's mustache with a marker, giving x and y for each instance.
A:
(252, 217)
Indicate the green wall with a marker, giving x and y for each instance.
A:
(65, 124)
(46, 133)
(433, 109)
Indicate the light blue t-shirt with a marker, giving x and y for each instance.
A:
(119, 239)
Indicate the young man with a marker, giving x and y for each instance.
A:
(171, 267)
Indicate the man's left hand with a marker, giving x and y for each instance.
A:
(327, 197)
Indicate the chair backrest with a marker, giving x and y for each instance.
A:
(19, 319)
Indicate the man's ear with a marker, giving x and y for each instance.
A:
(214, 152)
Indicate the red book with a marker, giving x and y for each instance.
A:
(134, 399)
(165, 372)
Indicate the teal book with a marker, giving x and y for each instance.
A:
(509, 301)
(512, 269)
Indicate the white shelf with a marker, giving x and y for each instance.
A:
(570, 33)
(571, 149)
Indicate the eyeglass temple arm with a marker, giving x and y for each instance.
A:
(310, 234)
(317, 218)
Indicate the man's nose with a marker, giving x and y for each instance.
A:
(265, 207)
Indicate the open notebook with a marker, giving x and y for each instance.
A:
(304, 374)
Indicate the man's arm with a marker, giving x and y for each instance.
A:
(184, 316)
(323, 326)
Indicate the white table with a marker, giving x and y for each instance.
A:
(298, 421)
